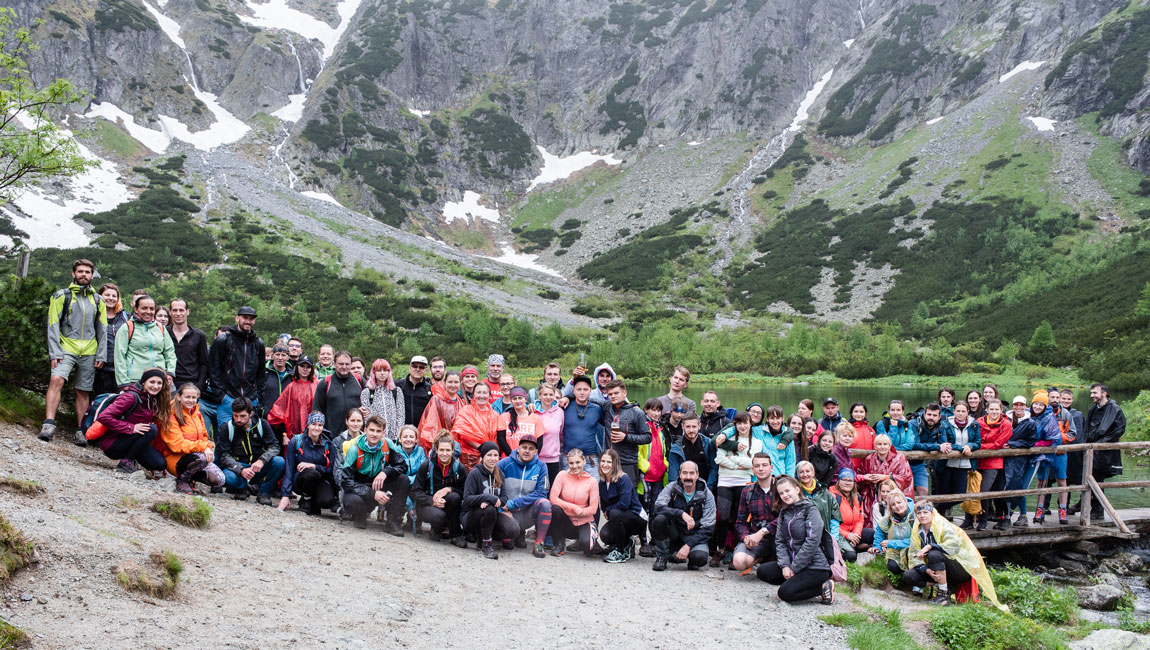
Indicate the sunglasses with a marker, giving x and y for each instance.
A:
(419, 366)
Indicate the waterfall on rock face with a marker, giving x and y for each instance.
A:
(191, 72)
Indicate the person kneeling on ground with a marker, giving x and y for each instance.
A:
(684, 517)
(249, 454)
(576, 495)
(892, 532)
(309, 468)
(525, 483)
(485, 500)
(801, 570)
(438, 491)
(940, 552)
(621, 506)
(755, 523)
(128, 423)
(188, 448)
(374, 474)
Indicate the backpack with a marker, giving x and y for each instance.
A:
(327, 387)
(834, 557)
(93, 429)
(299, 448)
(232, 429)
(66, 310)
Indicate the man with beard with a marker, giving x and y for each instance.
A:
(237, 364)
(77, 338)
(438, 369)
(1105, 422)
(338, 393)
(494, 374)
(683, 521)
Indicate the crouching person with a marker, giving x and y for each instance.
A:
(249, 454)
(128, 424)
(308, 470)
(801, 569)
(438, 491)
(188, 448)
(684, 519)
(373, 474)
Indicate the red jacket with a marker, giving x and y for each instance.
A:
(994, 436)
(293, 406)
(864, 439)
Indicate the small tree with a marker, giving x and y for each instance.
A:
(1042, 344)
(1142, 307)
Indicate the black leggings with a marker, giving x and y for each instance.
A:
(952, 480)
(850, 551)
(311, 483)
(562, 528)
(993, 480)
(487, 523)
(620, 527)
(726, 510)
(803, 585)
(445, 517)
(397, 484)
(936, 561)
(138, 448)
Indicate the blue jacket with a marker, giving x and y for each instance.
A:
(523, 483)
(1024, 433)
(782, 462)
(829, 424)
(899, 433)
(930, 439)
(676, 458)
(301, 449)
(619, 495)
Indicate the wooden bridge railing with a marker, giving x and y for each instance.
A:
(1090, 488)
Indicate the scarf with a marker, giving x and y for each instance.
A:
(809, 488)
(372, 457)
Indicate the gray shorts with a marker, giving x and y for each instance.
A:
(85, 369)
(761, 551)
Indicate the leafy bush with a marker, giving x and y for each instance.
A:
(1028, 595)
(981, 627)
(640, 264)
(571, 224)
(501, 136)
(549, 294)
(194, 514)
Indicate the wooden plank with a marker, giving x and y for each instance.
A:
(1123, 484)
(1005, 453)
(1003, 494)
(1084, 501)
(1106, 504)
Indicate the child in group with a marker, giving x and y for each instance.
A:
(653, 464)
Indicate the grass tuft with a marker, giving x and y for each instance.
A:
(16, 550)
(11, 636)
(21, 486)
(127, 501)
(880, 630)
(1028, 595)
(134, 578)
(196, 514)
(873, 574)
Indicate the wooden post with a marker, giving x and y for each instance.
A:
(1087, 472)
(1094, 487)
(22, 267)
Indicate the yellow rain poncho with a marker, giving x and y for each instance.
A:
(958, 547)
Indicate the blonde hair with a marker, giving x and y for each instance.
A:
(896, 496)
(844, 428)
(891, 484)
(884, 437)
(576, 453)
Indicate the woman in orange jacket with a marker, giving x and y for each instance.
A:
(856, 536)
(187, 446)
(474, 425)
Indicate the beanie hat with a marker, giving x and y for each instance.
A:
(153, 372)
(316, 418)
(518, 391)
(486, 447)
(1041, 396)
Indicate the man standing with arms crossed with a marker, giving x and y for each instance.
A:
(77, 338)
(191, 347)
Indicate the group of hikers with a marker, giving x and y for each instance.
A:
(472, 456)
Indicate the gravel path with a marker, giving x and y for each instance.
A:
(259, 577)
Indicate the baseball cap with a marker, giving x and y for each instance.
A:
(1019, 400)
(246, 310)
(530, 438)
(830, 400)
(419, 358)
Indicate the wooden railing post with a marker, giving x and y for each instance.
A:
(1084, 501)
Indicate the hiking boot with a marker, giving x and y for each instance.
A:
(828, 595)
(79, 439)
(538, 550)
(967, 522)
(660, 564)
(616, 556)
(435, 536)
(241, 494)
(184, 487)
(716, 559)
(127, 466)
(1021, 522)
(360, 522)
(393, 528)
(521, 541)
(489, 550)
(560, 548)
(981, 524)
(304, 504)
(1003, 524)
(1062, 516)
(459, 542)
(1039, 515)
(264, 499)
(646, 550)
(943, 598)
(47, 430)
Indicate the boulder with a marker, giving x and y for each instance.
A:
(1122, 563)
(1100, 597)
(1110, 639)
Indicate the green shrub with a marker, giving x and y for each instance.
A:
(982, 627)
(549, 294)
(1029, 595)
(16, 550)
(23, 354)
(571, 224)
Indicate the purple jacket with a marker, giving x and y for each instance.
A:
(131, 407)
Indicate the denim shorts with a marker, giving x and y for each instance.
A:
(1053, 469)
(920, 475)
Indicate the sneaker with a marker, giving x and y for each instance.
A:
(538, 550)
(916, 591)
(79, 439)
(47, 431)
(434, 536)
(616, 556)
(943, 598)
(459, 542)
(1062, 516)
(981, 524)
(521, 541)
(127, 466)
(646, 550)
(508, 544)
(629, 550)
(1021, 522)
(967, 523)
(660, 564)
(1003, 524)
(264, 499)
(828, 595)
(488, 550)
(216, 489)
(1039, 515)
(393, 528)
(560, 548)
(183, 487)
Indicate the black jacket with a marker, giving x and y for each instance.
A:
(235, 446)
(415, 399)
(236, 364)
(274, 384)
(335, 396)
(672, 503)
(1106, 424)
(430, 480)
(633, 423)
(712, 424)
(480, 488)
(191, 358)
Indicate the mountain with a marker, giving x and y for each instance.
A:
(965, 170)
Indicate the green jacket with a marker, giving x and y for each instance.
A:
(83, 331)
(150, 347)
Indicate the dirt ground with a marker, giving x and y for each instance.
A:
(258, 577)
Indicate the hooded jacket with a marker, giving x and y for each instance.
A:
(301, 449)
(84, 331)
(474, 425)
(597, 394)
(973, 434)
(236, 446)
(899, 432)
(953, 541)
(114, 325)
(799, 537)
(356, 473)
(290, 410)
(928, 439)
(237, 364)
(129, 408)
(712, 424)
(994, 436)
(895, 531)
(523, 483)
(480, 488)
(672, 503)
(433, 477)
(828, 508)
(826, 465)
(1106, 423)
(633, 423)
(439, 414)
(149, 347)
(275, 382)
(335, 396)
(188, 438)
